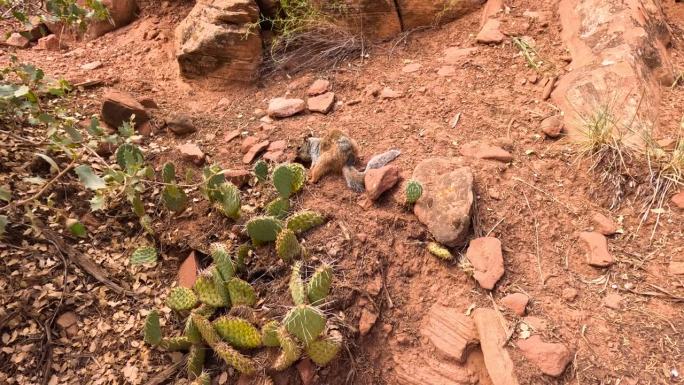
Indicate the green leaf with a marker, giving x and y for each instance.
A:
(73, 133)
(174, 198)
(3, 224)
(22, 91)
(5, 194)
(137, 204)
(75, 227)
(144, 255)
(168, 173)
(129, 158)
(53, 165)
(94, 128)
(126, 129)
(89, 178)
(97, 202)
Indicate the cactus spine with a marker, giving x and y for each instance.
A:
(323, 350)
(238, 332)
(296, 285)
(206, 330)
(203, 379)
(287, 245)
(241, 292)
(290, 351)
(181, 298)
(319, 285)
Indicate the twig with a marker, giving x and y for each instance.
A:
(573, 211)
(45, 186)
(536, 240)
(164, 375)
(495, 226)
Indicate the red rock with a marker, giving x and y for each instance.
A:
(237, 177)
(492, 341)
(180, 124)
(231, 135)
(569, 294)
(388, 93)
(446, 71)
(450, 331)
(148, 102)
(192, 153)
(516, 302)
(612, 301)
(187, 272)
(321, 103)
(254, 151)
(477, 149)
(277, 145)
(490, 10)
(455, 55)
(490, 33)
(536, 323)
(318, 87)
(119, 107)
(597, 249)
(486, 257)
(550, 358)
(48, 43)
(306, 371)
(92, 65)
(678, 200)
(552, 126)
(429, 370)
(274, 156)
(379, 180)
(67, 319)
(247, 143)
(410, 68)
(17, 40)
(367, 321)
(604, 225)
(676, 268)
(283, 107)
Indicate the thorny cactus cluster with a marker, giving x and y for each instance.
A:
(220, 306)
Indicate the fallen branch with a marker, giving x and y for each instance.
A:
(164, 375)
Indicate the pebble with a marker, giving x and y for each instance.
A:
(486, 257)
(92, 65)
(603, 224)
(318, 87)
(180, 124)
(490, 33)
(678, 200)
(612, 301)
(552, 126)
(411, 68)
(597, 249)
(321, 103)
(569, 294)
(388, 93)
(550, 358)
(284, 107)
(254, 151)
(516, 302)
(192, 153)
(379, 180)
(367, 321)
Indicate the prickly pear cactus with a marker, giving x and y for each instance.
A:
(213, 179)
(323, 350)
(233, 358)
(305, 322)
(269, 334)
(261, 170)
(241, 292)
(208, 292)
(174, 198)
(278, 208)
(287, 245)
(196, 361)
(205, 329)
(169, 173)
(296, 285)
(284, 180)
(190, 332)
(319, 284)
(413, 191)
(220, 284)
(222, 260)
(440, 252)
(241, 256)
(299, 173)
(144, 255)
(181, 298)
(175, 344)
(203, 379)
(305, 220)
(229, 201)
(263, 229)
(290, 350)
(152, 329)
(238, 332)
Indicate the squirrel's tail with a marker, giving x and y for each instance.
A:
(354, 178)
(381, 160)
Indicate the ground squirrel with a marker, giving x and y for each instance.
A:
(336, 153)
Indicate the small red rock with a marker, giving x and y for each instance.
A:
(552, 126)
(306, 371)
(247, 143)
(678, 200)
(148, 102)
(597, 249)
(450, 331)
(277, 145)
(231, 135)
(550, 358)
(48, 43)
(318, 87)
(284, 107)
(67, 319)
(481, 150)
(187, 272)
(612, 301)
(388, 93)
(367, 321)
(17, 40)
(254, 151)
(604, 225)
(486, 257)
(490, 33)
(192, 152)
(321, 103)
(569, 294)
(237, 177)
(516, 302)
(410, 68)
(455, 55)
(676, 268)
(119, 107)
(379, 180)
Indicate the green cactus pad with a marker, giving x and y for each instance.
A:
(228, 200)
(414, 190)
(238, 332)
(213, 179)
(287, 245)
(175, 344)
(208, 292)
(283, 179)
(190, 332)
(263, 229)
(241, 256)
(290, 351)
(206, 329)
(203, 379)
(169, 173)
(305, 322)
(222, 260)
(220, 284)
(261, 170)
(241, 292)
(152, 329)
(439, 251)
(244, 312)
(181, 298)
(319, 284)
(296, 285)
(175, 199)
(269, 334)
(205, 310)
(196, 361)
(305, 220)
(144, 255)
(323, 350)
(299, 173)
(278, 208)
(233, 358)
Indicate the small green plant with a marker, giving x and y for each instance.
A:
(173, 196)
(414, 190)
(439, 251)
(261, 170)
(144, 255)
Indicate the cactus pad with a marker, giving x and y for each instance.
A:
(174, 344)
(222, 260)
(323, 350)
(290, 351)
(238, 332)
(278, 208)
(169, 173)
(305, 322)
(196, 361)
(261, 170)
(181, 298)
(208, 292)
(191, 333)
(413, 191)
(205, 329)
(144, 255)
(299, 173)
(175, 199)
(439, 251)
(269, 334)
(233, 358)
(229, 200)
(319, 284)
(205, 310)
(263, 229)
(203, 379)
(287, 245)
(283, 180)
(305, 220)
(296, 285)
(241, 292)
(152, 328)
(241, 256)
